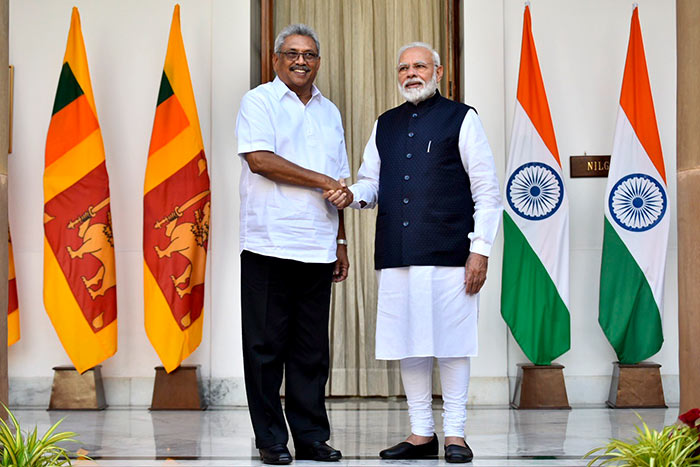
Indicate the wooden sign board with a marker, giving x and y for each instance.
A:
(589, 166)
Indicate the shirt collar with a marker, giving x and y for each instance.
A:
(281, 89)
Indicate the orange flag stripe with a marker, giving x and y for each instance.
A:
(13, 333)
(13, 330)
(636, 99)
(69, 127)
(163, 163)
(170, 120)
(531, 93)
(75, 164)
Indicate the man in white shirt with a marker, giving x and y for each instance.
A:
(429, 169)
(292, 242)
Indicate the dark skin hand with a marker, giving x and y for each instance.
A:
(342, 264)
(475, 272)
(278, 169)
(339, 198)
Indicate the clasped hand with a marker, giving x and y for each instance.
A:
(340, 196)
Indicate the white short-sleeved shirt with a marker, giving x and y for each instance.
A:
(282, 220)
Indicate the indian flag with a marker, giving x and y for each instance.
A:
(636, 219)
(535, 286)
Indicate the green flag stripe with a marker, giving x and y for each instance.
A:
(628, 313)
(68, 89)
(165, 89)
(530, 302)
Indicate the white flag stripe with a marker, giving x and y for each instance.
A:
(649, 247)
(549, 238)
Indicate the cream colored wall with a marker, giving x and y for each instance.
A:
(581, 46)
(126, 43)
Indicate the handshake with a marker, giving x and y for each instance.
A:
(339, 194)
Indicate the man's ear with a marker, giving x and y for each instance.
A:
(439, 70)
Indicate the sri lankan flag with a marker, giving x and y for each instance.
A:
(176, 205)
(12, 302)
(79, 275)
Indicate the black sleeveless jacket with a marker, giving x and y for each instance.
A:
(425, 206)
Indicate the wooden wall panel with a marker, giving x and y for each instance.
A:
(688, 167)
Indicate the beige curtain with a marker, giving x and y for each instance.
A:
(359, 41)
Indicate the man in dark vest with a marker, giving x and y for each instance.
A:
(429, 170)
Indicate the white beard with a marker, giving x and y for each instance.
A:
(417, 95)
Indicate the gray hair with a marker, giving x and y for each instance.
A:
(296, 29)
(423, 45)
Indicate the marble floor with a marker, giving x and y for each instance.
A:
(361, 428)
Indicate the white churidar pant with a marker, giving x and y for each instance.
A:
(416, 374)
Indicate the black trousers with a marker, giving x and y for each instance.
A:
(284, 315)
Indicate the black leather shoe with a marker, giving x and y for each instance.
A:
(456, 454)
(277, 454)
(406, 450)
(317, 451)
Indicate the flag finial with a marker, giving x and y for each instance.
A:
(527, 3)
(635, 5)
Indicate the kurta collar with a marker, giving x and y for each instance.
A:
(281, 89)
(426, 104)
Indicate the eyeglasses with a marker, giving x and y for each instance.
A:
(420, 67)
(293, 55)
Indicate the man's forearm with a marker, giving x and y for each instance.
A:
(278, 169)
(341, 225)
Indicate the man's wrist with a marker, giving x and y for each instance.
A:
(328, 183)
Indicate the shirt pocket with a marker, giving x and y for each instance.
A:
(333, 148)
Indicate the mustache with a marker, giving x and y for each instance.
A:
(300, 67)
(413, 81)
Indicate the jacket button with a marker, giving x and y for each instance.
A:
(414, 115)
(405, 223)
(405, 201)
(410, 135)
(409, 155)
(406, 177)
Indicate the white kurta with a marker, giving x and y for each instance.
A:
(424, 311)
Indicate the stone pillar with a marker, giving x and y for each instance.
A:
(688, 176)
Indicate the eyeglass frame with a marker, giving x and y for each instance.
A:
(308, 57)
(413, 65)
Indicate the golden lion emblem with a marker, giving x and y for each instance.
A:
(189, 240)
